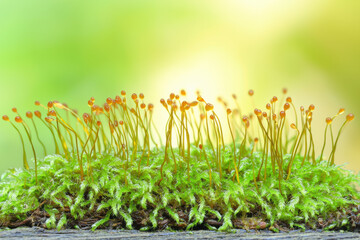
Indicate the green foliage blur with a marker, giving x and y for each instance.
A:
(72, 50)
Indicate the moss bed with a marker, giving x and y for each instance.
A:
(314, 197)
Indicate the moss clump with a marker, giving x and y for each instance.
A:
(105, 172)
(61, 200)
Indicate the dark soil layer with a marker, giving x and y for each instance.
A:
(348, 220)
(39, 233)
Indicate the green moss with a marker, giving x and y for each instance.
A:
(108, 175)
(61, 200)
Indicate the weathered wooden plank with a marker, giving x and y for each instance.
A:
(38, 233)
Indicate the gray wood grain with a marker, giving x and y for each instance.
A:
(38, 233)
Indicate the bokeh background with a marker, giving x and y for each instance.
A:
(72, 50)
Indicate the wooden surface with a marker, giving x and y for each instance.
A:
(37, 233)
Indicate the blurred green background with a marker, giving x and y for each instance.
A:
(72, 50)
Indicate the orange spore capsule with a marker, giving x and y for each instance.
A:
(194, 103)
(311, 107)
(118, 100)
(18, 119)
(92, 99)
(143, 106)
(52, 113)
(274, 99)
(106, 107)
(200, 99)
(264, 114)
(268, 106)
(251, 92)
(201, 146)
(341, 111)
(274, 116)
(169, 102)
(212, 117)
(293, 126)
(244, 119)
(162, 101)
(132, 110)
(90, 103)
(29, 114)
(284, 90)
(257, 112)
(86, 117)
(256, 140)
(109, 100)
(209, 107)
(286, 106)
(50, 104)
(49, 119)
(328, 120)
(183, 92)
(288, 99)
(234, 96)
(133, 96)
(202, 116)
(172, 96)
(121, 122)
(282, 114)
(37, 103)
(38, 114)
(187, 107)
(228, 111)
(150, 106)
(14, 110)
(94, 108)
(123, 93)
(177, 97)
(302, 108)
(5, 118)
(98, 123)
(350, 117)
(141, 96)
